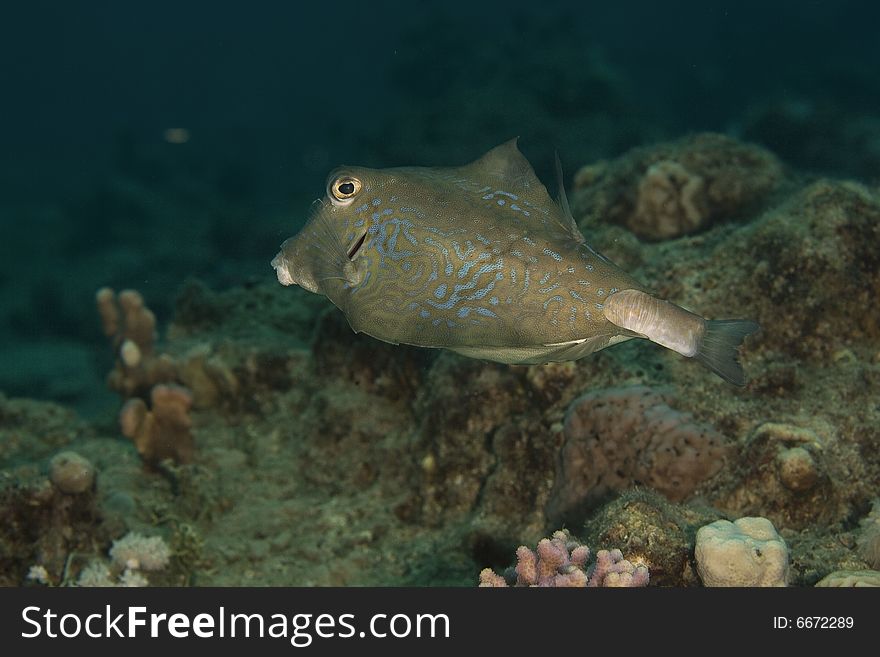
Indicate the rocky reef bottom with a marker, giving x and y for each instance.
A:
(261, 442)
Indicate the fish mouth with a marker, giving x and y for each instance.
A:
(282, 269)
(353, 251)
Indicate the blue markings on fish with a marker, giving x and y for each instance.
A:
(441, 249)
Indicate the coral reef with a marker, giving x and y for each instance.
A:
(449, 463)
(561, 561)
(670, 201)
(326, 457)
(612, 570)
(228, 359)
(619, 437)
(746, 552)
(827, 266)
(672, 189)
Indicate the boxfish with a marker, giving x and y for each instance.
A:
(479, 259)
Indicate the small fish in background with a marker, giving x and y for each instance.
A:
(480, 260)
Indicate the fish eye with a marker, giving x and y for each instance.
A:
(345, 187)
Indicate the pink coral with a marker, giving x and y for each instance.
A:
(561, 561)
(612, 570)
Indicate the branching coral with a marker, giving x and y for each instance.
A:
(165, 430)
(131, 327)
(561, 561)
(619, 437)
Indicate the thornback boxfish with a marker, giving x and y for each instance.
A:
(480, 260)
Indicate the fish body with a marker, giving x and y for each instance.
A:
(480, 260)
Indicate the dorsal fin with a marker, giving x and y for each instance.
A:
(504, 165)
(563, 203)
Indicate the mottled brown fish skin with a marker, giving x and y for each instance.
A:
(478, 259)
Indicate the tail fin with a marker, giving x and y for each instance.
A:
(718, 349)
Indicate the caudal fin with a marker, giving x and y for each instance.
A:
(719, 347)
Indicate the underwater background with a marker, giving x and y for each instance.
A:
(196, 423)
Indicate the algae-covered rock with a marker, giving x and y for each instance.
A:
(32, 430)
(672, 189)
(796, 476)
(807, 270)
(650, 531)
(869, 536)
(42, 526)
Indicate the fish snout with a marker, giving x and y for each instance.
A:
(292, 268)
(282, 268)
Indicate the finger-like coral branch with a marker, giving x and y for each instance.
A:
(131, 327)
(561, 561)
(165, 430)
